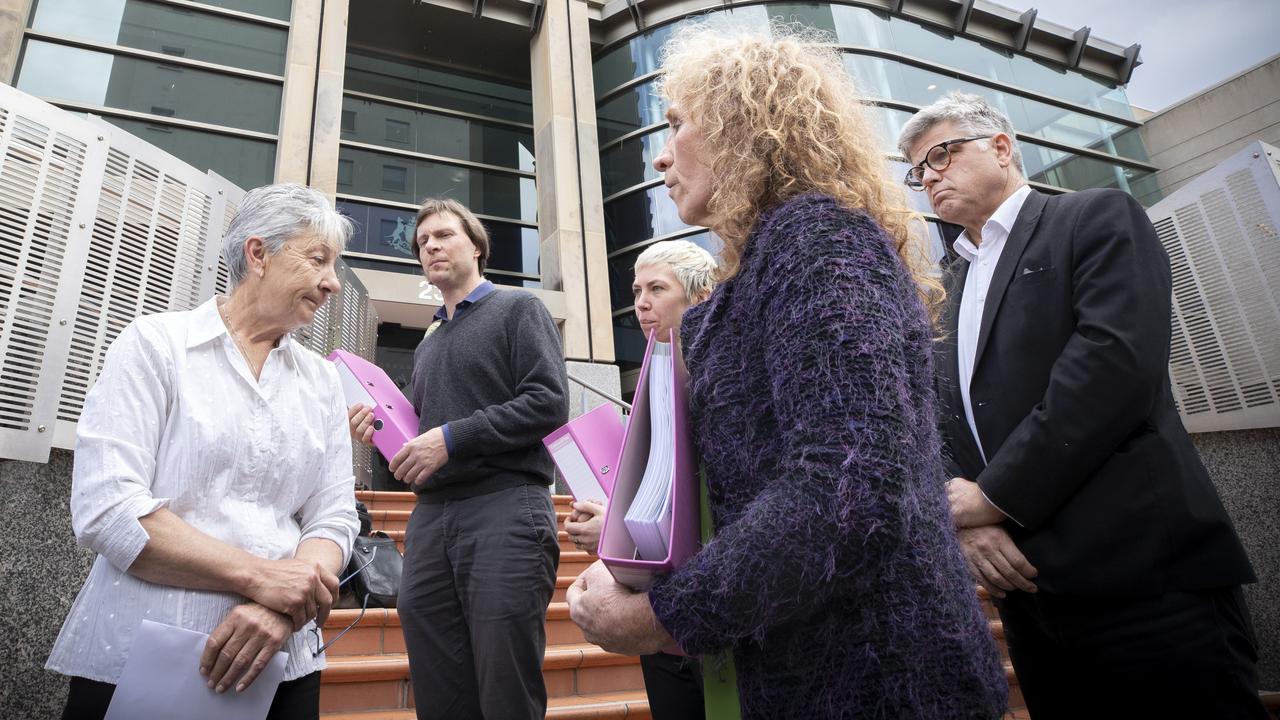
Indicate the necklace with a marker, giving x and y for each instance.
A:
(235, 338)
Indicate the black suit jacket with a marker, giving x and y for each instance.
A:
(1072, 402)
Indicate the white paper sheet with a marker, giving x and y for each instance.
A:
(162, 681)
(648, 519)
(577, 473)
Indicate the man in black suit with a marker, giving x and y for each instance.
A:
(1080, 502)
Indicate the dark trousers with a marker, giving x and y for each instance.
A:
(1178, 655)
(295, 699)
(478, 576)
(674, 687)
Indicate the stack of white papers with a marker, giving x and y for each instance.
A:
(649, 517)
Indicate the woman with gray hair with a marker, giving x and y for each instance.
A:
(213, 472)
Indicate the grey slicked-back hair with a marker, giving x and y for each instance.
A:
(692, 265)
(971, 114)
(278, 213)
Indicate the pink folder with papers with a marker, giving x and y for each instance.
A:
(394, 421)
(585, 450)
(618, 548)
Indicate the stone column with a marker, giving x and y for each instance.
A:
(570, 204)
(311, 108)
(298, 98)
(327, 129)
(13, 20)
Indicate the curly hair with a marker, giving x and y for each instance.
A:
(780, 117)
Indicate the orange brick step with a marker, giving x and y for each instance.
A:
(379, 631)
(381, 681)
(396, 521)
(632, 705)
(391, 515)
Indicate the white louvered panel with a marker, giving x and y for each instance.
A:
(148, 253)
(1220, 232)
(1202, 335)
(51, 165)
(1188, 383)
(1255, 268)
(226, 202)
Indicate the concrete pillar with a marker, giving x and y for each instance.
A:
(327, 128)
(293, 150)
(13, 20)
(311, 109)
(570, 203)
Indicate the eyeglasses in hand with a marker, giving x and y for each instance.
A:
(315, 631)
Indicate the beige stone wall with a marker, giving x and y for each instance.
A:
(307, 151)
(13, 20)
(570, 204)
(327, 128)
(1187, 139)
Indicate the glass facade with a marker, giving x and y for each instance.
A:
(411, 131)
(166, 29)
(213, 101)
(436, 114)
(1077, 131)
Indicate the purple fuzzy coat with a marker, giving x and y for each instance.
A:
(834, 573)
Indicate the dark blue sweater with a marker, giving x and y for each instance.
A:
(834, 575)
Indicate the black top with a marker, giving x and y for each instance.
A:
(496, 375)
(1072, 401)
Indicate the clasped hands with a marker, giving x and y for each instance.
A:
(416, 461)
(584, 523)
(284, 595)
(994, 561)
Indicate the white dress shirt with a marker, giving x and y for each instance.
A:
(176, 420)
(982, 259)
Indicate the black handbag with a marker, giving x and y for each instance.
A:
(375, 568)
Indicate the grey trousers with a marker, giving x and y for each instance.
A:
(478, 576)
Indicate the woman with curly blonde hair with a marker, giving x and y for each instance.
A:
(834, 575)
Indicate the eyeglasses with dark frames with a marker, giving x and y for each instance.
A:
(937, 159)
(315, 631)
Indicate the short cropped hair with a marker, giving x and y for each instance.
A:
(693, 266)
(971, 114)
(277, 214)
(471, 224)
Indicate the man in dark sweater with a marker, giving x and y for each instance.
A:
(489, 382)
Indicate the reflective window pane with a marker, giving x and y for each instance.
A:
(1070, 86)
(389, 231)
(1076, 172)
(880, 78)
(404, 128)
(862, 27)
(637, 107)
(247, 163)
(890, 122)
(487, 193)
(166, 29)
(277, 9)
(431, 86)
(639, 216)
(406, 269)
(75, 75)
(630, 162)
(636, 57)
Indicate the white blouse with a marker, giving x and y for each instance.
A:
(176, 420)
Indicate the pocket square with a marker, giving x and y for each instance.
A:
(1029, 271)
